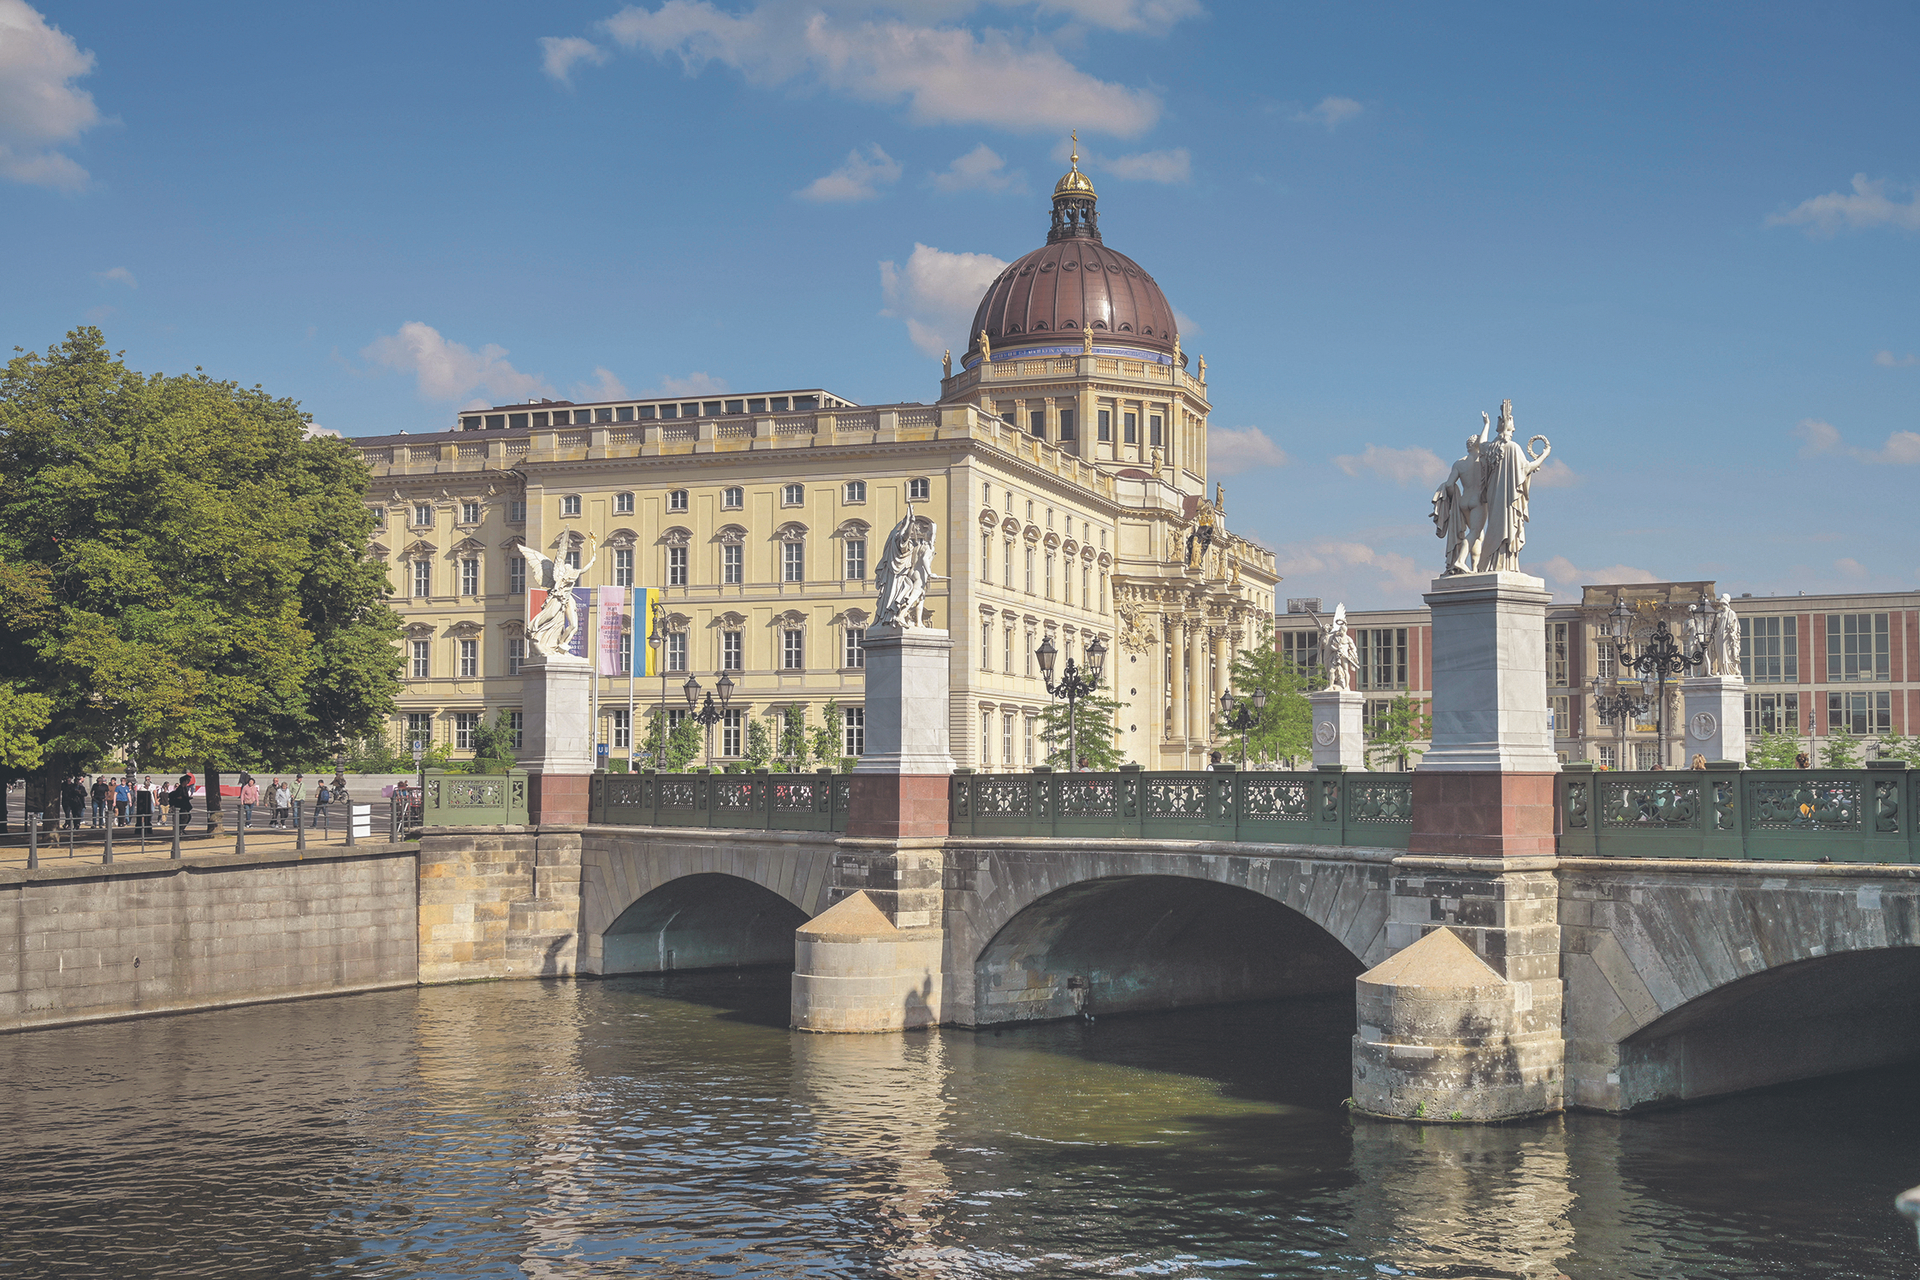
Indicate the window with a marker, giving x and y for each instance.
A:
(1006, 579)
(1006, 653)
(793, 495)
(986, 739)
(675, 715)
(1859, 713)
(422, 578)
(1373, 716)
(1604, 664)
(422, 658)
(732, 560)
(1028, 737)
(1769, 650)
(1037, 424)
(1153, 430)
(986, 494)
(1560, 707)
(1856, 646)
(516, 654)
(676, 651)
(517, 574)
(1645, 755)
(469, 577)
(732, 723)
(420, 728)
(676, 566)
(623, 504)
(423, 514)
(793, 651)
(733, 498)
(1557, 655)
(1009, 502)
(793, 562)
(676, 499)
(1302, 648)
(469, 659)
(1773, 712)
(516, 726)
(1086, 586)
(855, 650)
(853, 731)
(1050, 520)
(856, 559)
(622, 735)
(986, 555)
(1066, 424)
(856, 491)
(1029, 570)
(733, 650)
(1383, 657)
(570, 505)
(469, 513)
(1105, 424)
(1029, 652)
(1130, 428)
(986, 646)
(1050, 558)
(517, 511)
(379, 517)
(922, 490)
(1103, 591)
(623, 567)
(626, 646)
(573, 557)
(464, 723)
(1608, 760)
(1006, 736)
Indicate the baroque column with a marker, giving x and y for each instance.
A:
(1169, 651)
(1197, 686)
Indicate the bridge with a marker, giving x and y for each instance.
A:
(1677, 936)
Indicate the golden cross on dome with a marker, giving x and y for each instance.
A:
(1075, 135)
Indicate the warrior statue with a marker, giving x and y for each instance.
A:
(1507, 470)
(1337, 651)
(905, 569)
(1460, 507)
(558, 621)
(1723, 653)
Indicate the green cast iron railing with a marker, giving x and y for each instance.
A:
(1322, 807)
(1795, 815)
(747, 801)
(474, 799)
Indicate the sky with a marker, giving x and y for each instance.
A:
(1684, 240)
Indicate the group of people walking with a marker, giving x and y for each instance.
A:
(122, 801)
(285, 801)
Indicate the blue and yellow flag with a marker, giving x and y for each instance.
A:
(644, 622)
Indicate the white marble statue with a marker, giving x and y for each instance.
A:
(1508, 468)
(553, 628)
(905, 569)
(1723, 651)
(1460, 508)
(1338, 653)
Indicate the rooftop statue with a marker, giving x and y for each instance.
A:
(552, 630)
(905, 569)
(1480, 509)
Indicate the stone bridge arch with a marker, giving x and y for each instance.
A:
(1688, 983)
(1044, 929)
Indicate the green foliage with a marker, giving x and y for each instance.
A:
(196, 566)
(793, 738)
(1772, 750)
(1895, 747)
(1284, 731)
(1841, 751)
(684, 744)
(22, 717)
(1094, 733)
(826, 736)
(759, 752)
(493, 743)
(1391, 738)
(652, 745)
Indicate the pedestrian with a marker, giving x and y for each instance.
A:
(122, 800)
(180, 801)
(298, 794)
(280, 804)
(249, 797)
(73, 798)
(1800, 761)
(1699, 761)
(99, 793)
(320, 802)
(143, 805)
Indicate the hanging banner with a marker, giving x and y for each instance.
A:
(583, 613)
(611, 615)
(644, 600)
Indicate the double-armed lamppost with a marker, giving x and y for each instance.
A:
(1073, 685)
(1660, 657)
(1239, 720)
(657, 641)
(1618, 706)
(708, 715)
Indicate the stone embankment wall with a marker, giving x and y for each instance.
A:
(499, 902)
(83, 942)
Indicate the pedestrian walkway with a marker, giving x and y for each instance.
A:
(88, 844)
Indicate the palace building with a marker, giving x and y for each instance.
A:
(1064, 465)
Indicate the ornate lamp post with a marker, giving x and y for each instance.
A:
(1659, 658)
(708, 715)
(1617, 706)
(658, 643)
(1243, 718)
(1073, 685)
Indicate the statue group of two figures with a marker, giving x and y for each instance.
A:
(1481, 507)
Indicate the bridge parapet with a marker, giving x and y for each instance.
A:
(1724, 812)
(758, 801)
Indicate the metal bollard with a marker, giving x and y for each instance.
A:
(33, 840)
(178, 818)
(240, 836)
(299, 831)
(106, 849)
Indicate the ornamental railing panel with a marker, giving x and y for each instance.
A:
(736, 801)
(474, 799)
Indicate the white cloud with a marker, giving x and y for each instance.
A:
(1126, 15)
(1556, 475)
(1331, 112)
(694, 384)
(1570, 578)
(39, 110)
(1888, 360)
(1150, 166)
(558, 54)
(1398, 465)
(936, 294)
(1325, 557)
(944, 74)
(605, 386)
(1867, 205)
(857, 179)
(446, 370)
(981, 169)
(1186, 324)
(1848, 567)
(1231, 450)
(100, 314)
(1901, 449)
(314, 430)
(117, 275)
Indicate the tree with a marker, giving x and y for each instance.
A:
(683, 744)
(211, 593)
(1093, 733)
(1284, 729)
(1841, 750)
(1772, 751)
(1895, 747)
(793, 738)
(1392, 736)
(493, 743)
(826, 736)
(759, 752)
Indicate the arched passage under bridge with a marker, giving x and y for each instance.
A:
(703, 921)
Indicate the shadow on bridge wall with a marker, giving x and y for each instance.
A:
(702, 921)
(1135, 943)
(1810, 1018)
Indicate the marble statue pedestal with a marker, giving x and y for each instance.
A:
(1339, 736)
(556, 735)
(1714, 723)
(900, 785)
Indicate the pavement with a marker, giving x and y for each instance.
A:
(87, 844)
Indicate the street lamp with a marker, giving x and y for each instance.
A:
(1617, 706)
(1660, 657)
(708, 715)
(657, 641)
(1073, 686)
(1243, 718)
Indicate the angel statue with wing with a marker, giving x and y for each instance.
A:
(558, 621)
(905, 569)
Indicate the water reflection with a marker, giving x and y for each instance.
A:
(673, 1127)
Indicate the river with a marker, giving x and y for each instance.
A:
(675, 1128)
